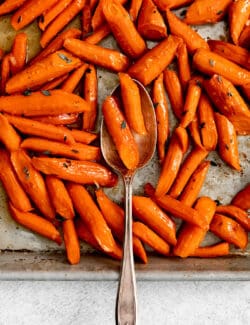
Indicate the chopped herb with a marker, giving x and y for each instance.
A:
(217, 202)
(68, 161)
(155, 104)
(213, 163)
(211, 62)
(64, 57)
(123, 125)
(47, 152)
(27, 92)
(202, 125)
(46, 92)
(19, 19)
(229, 94)
(219, 12)
(75, 151)
(65, 165)
(219, 79)
(226, 146)
(65, 138)
(26, 172)
(60, 218)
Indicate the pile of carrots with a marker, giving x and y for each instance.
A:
(48, 111)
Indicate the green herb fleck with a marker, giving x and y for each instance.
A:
(27, 92)
(46, 92)
(211, 62)
(65, 165)
(26, 172)
(64, 57)
(75, 151)
(47, 152)
(123, 125)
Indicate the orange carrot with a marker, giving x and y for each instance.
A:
(18, 53)
(98, 35)
(71, 242)
(60, 119)
(73, 80)
(59, 197)
(61, 20)
(15, 192)
(183, 65)
(244, 39)
(236, 213)
(164, 4)
(32, 182)
(93, 4)
(221, 249)
(227, 141)
(83, 136)
(182, 136)
(8, 135)
(120, 132)
(5, 73)
(242, 198)
(84, 172)
(194, 129)
(10, 5)
(54, 83)
(151, 64)
(36, 223)
(229, 230)
(134, 9)
(86, 19)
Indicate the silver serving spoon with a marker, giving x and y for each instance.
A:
(126, 296)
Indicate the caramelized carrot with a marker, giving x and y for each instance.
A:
(10, 5)
(221, 249)
(18, 53)
(8, 135)
(83, 136)
(182, 136)
(98, 35)
(236, 213)
(194, 129)
(183, 65)
(60, 119)
(73, 80)
(71, 242)
(54, 83)
(135, 6)
(244, 39)
(86, 19)
(5, 73)
(246, 91)
(242, 198)
(164, 4)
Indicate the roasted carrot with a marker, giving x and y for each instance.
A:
(52, 66)
(211, 63)
(5, 73)
(61, 20)
(90, 93)
(135, 6)
(54, 83)
(246, 91)
(131, 100)
(244, 39)
(14, 190)
(164, 4)
(194, 129)
(161, 112)
(147, 211)
(216, 250)
(10, 5)
(192, 39)
(71, 242)
(84, 172)
(60, 119)
(150, 23)
(120, 132)
(93, 4)
(8, 135)
(36, 223)
(78, 151)
(236, 213)
(86, 18)
(182, 136)
(151, 64)
(229, 230)
(183, 65)
(73, 80)
(32, 182)
(59, 197)
(239, 12)
(242, 198)
(18, 54)
(83, 136)
(29, 11)
(98, 35)
(104, 57)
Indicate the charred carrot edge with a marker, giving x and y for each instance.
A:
(150, 238)
(90, 93)
(61, 20)
(54, 83)
(83, 136)
(242, 198)
(221, 249)
(174, 91)
(73, 80)
(59, 197)
(71, 242)
(14, 190)
(194, 129)
(8, 135)
(134, 9)
(86, 17)
(84, 172)
(9, 6)
(178, 28)
(120, 132)
(182, 136)
(98, 35)
(146, 210)
(192, 161)
(150, 23)
(60, 119)
(236, 213)
(161, 113)
(227, 141)
(172, 4)
(229, 230)
(193, 187)
(239, 12)
(5, 73)
(154, 61)
(36, 223)
(18, 53)
(244, 39)
(183, 65)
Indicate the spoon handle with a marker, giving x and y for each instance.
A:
(126, 296)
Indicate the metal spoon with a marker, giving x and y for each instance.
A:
(126, 295)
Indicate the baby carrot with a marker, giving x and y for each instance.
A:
(182, 136)
(194, 129)
(244, 39)
(36, 223)
(60, 119)
(120, 132)
(236, 213)
(183, 65)
(8, 135)
(164, 4)
(83, 136)
(5, 73)
(98, 35)
(54, 83)
(86, 18)
(59, 197)
(73, 80)
(84, 172)
(10, 5)
(71, 242)
(242, 198)
(18, 53)
(221, 249)
(135, 6)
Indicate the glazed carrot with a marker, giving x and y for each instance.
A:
(14, 190)
(194, 185)
(202, 12)
(236, 213)
(242, 198)
(244, 39)
(147, 211)
(174, 91)
(221, 249)
(84, 172)
(32, 182)
(182, 136)
(191, 101)
(61, 20)
(98, 35)
(5, 73)
(150, 238)
(161, 112)
(194, 129)
(135, 6)
(207, 124)
(164, 4)
(190, 236)
(71, 242)
(229, 230)
(10, 5)
(192, 39)
(73, 80)
(8, 135)
(120, 132)
(54, 83)
(229, 102)
(39, 103)
(246, 91)
(227, 141)
(239, 12)
(59, 197)
(183, 65)
(29, 11)
(190, 164)
(18, 53)
(52, 66)
(90, 93)
(92, 217)
(104, 57)
(151, 64)
(151, 24)
(93, 4)
(86, 19)
(36, 223)
(211, 63)
(131, 100)
(83, 136)
(60, 119)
